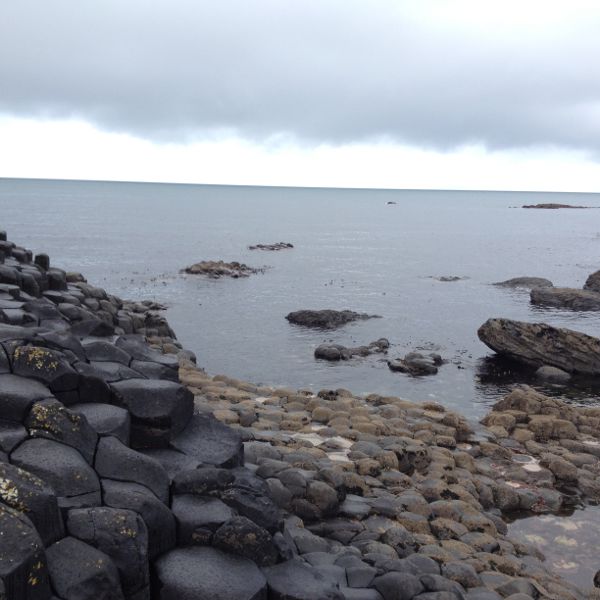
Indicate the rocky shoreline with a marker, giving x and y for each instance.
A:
(127, 472)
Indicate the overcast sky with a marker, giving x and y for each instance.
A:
(373, 93)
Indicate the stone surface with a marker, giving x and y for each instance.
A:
(325, 319)
(525, 282)
(592, 283)
(18, 396)
(106, 419)
(569, 298)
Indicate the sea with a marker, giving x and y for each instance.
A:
(383, 252)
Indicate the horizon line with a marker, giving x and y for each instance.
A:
(307, 187)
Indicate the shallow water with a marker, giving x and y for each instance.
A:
(352, 250)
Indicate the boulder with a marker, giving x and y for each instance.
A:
(198, 518)
(241, 536)
(525, 282)
(593, 282)
(569, 298)
(199, 573)
(334, 352)
(23, 570)
(538, 344)
(122, 535)
(326, 319)
(415, 363)
(80, 572)
(159, 410)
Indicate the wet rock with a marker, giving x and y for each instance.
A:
(538, 344)
(198, 573)
(569, 298)
(525, 282)
(209, 441)
(158, 518)
(334, 352)
(80, 572)
(61, 466)
(296, 580)
(241, 536)
(272, 247)
(23, 570)
(552, 374)
(326, 319)
(552, 206)
(216, 269)
(121, 535)
(415, 363)
(593, 282)
(159, 410)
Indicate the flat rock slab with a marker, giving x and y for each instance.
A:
(194, 513)
(211, 442)
(538, 344)
(122, 535)
(23, 568)
(18, 396)
(59, 465)
(106, 419)
(326, 319)
(102, 351)
(173, 461)
(138, 349)
(208, 574)
(159, 409)
(80, 572)
(568, 298)
(297, 580)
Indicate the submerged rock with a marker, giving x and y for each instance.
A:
(570, 298)
(415, 363)
(552, 206)
(272, 247)
(538, 344)
(215, 269)
(327, 318)
(525, 282)
(334, 352)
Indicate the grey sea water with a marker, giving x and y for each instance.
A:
(351, 250)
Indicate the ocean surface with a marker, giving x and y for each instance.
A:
(352, 249)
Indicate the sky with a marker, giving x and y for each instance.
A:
(439, 94)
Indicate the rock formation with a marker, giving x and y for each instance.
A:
(335, 352)
(215, 269)
(570, 298)
(326, 319)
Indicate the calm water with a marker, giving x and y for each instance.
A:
(352, 250)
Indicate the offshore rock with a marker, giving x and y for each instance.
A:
(272, 247)
(552, 206)
(215, 269)
(593, 282)
(538, 344)
(334, 352)
(569, 298)
(327, 318)
(415, 363)
(525, 282)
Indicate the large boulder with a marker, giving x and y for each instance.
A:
(200, 573)
(538, 344)
(593, 282)
(326, 319)
(569, 298)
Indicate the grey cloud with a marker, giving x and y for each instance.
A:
(331, 71)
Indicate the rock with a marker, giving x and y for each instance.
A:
(552, 206)
(159, 410)
(80, 572)
(28, 494)
(239, 535)
(23, 570)
(272, 247)
(173, 462)
(121, 535)
(525, 282)
(11, 435)
(593, 282)
(538, 344)
(552, 374)
(570, 298)
(198, 516)
(326, 319)
(106, 419)
(398, 586)
(63, 467)
(335, 352)
(138, 349)
(18, 396)
(116, 461)
(158, 518)
(50, 367)
(198, 573)
(296, 580)
(209, 441)
(215, 269)
(415, 363)
(101, 351)
(202, 481)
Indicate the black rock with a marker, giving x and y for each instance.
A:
(136, 346)
(202, 481)
(398, 586)
(80, 572)
(48, 366)
(23, 569)
(199, 573)
(11, 434)
(241, 536)
(18, 396)
(174, 462)
(297, 580)
(105, 419)
(159, 410)
(49, 418)
(210, 441)
(158, 518)
(62, 467)
(153, 370)
(101, 351)
(107, 371)
(116, 461)
(122, 535)
(326, 319)
(198, 516)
